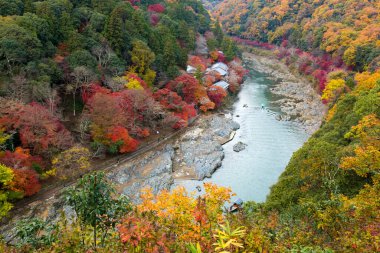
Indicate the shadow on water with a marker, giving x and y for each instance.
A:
(271, 143)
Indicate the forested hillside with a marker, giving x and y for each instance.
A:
(80, 80)
(345, 29)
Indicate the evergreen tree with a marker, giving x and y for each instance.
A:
(218, 32)
(114, 32)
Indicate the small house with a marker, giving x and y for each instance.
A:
(220, 65)
(220, 71)
(191, 69)
(221, 68)
(222, 84)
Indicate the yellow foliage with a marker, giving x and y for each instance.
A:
(337, 74)
(176, 209)
(6, 176)
(367, 153)
(228, 239)
(71, 162)
(3, 137)
(367, 80)
(331, 113)
(6, 180)
(133, 84)
(331, 88)
(149, 77)
(337, 35)
(280, 32)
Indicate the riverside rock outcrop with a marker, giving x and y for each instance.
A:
(199, 152)
(153, 170)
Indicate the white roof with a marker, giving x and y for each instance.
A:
(220, 65)
(221, 71)
(190, 69)
(222, 84)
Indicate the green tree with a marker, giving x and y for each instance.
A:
(58, 15)
(115, 30)
(95, 204)
(218, 32)
(82, 58)
(17, 46)
(9, 8)
(230, 49)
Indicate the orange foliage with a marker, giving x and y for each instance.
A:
(174, 214)
(367, 80)
(120, 134)
(26, 181)
(198, 62)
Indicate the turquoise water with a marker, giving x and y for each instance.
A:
(271, 144)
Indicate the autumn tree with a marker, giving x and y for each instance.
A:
(71, 163)
(38, 128)
(185, 86)
(366, 158)
(142, 57)
(198, 62)
(332, 89)
(120, 140)
(182, 112)
(104, 111)
(216, 94)
(177, 214)
(22, 159)
(26, 182)
(6, 179)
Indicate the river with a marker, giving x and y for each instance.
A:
(271, 143)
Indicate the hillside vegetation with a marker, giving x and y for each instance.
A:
(83, 80)
(347, 30)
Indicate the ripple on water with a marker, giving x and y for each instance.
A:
(271, 143)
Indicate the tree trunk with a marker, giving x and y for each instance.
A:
(74, 101)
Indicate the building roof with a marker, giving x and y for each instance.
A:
(191, 69)
(222, 84)
(220, 65)
(221, 71)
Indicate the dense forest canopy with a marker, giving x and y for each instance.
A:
(345, 29)
(86, 79)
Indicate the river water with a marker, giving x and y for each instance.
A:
(271, 143)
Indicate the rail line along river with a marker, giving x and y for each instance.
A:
(270, 143)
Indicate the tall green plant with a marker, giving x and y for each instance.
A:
(95, 203)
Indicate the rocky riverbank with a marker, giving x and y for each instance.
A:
(299, 100)
(199, 152)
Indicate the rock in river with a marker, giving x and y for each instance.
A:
(240, 146)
